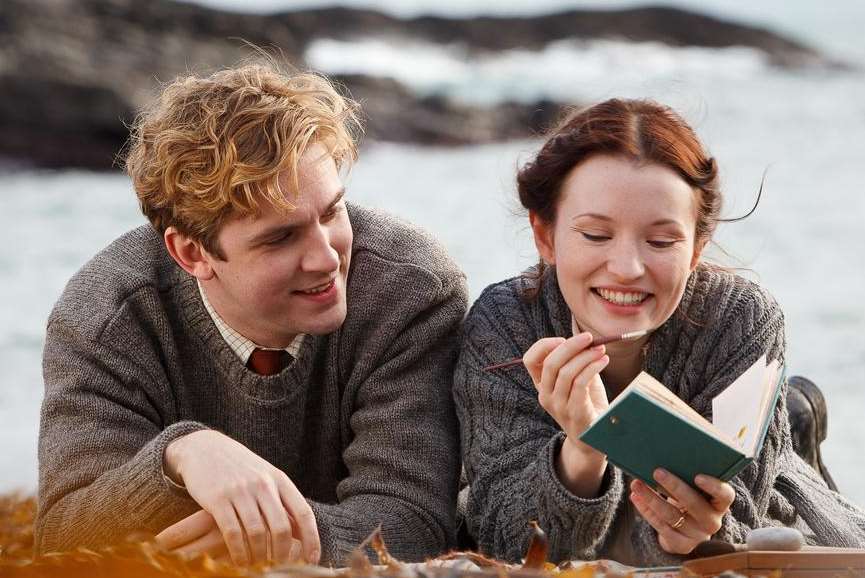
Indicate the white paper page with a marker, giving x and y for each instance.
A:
(737, 410)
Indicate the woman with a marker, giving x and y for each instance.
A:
(622, 200)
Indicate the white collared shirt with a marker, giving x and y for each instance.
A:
(239, 344)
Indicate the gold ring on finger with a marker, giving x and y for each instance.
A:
(679, 523)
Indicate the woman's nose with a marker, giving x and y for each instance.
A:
(625, 261)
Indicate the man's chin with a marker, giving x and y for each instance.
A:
(325, 324)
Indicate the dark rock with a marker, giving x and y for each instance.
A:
(393, 113)
(73, 71)
(671, 26)
(53, 123)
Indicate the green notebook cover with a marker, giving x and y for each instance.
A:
(639, 435)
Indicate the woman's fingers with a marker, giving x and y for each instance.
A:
(599, 361)
(547, 356)
(575, 372)
(534, 358)
(557, 358)
(670, 519)
(722, 494)
(690, 500)
(186, 530)
(671, 539)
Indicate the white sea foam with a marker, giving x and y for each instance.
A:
(561, 71)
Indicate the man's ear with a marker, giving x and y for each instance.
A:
(189, 254)
(543, 233)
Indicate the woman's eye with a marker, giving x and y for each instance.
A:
(659, 244)
(594, 238)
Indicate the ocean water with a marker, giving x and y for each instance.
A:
(804, 243)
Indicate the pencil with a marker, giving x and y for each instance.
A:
(595, 342)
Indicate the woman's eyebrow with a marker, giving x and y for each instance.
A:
(591, 216)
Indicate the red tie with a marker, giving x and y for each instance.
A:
(268, 361)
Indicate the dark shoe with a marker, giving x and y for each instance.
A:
(806, 407)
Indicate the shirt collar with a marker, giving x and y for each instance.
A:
(239, 344)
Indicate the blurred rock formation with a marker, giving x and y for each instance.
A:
(73, 72)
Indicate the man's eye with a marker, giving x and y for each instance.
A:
(333, 212)
(281, 239)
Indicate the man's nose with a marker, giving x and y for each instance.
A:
(319, 253)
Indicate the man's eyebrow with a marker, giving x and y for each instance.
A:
(280, 230)
(339, 195)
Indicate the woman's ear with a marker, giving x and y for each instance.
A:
(698, 251)
(544, 238)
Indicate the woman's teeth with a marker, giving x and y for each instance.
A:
(620, 298)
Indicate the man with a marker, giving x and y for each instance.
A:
(264, 370)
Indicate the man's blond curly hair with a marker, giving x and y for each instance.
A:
(214, 147)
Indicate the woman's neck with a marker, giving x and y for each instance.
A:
(626, 362)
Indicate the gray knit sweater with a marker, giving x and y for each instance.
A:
(362, 422)
(723, 324)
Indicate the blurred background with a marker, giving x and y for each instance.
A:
(455, 94)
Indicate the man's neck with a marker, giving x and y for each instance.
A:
(238, 339)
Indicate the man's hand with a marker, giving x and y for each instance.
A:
(255, 506)
(198, 534)
(687, 518)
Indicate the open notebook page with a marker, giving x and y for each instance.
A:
(740, 409)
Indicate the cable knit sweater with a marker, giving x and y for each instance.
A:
(722, 325)
(362, 422)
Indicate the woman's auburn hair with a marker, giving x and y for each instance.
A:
(214, 147)
(643, 131)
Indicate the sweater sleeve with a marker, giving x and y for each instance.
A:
(510, 445)
(777, 487)
(101, 440)
(403, 458)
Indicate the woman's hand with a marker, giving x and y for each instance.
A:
(687, 518)
(566, 375)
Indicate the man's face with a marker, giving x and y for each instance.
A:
(285, 274)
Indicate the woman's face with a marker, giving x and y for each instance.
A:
(622, 243)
